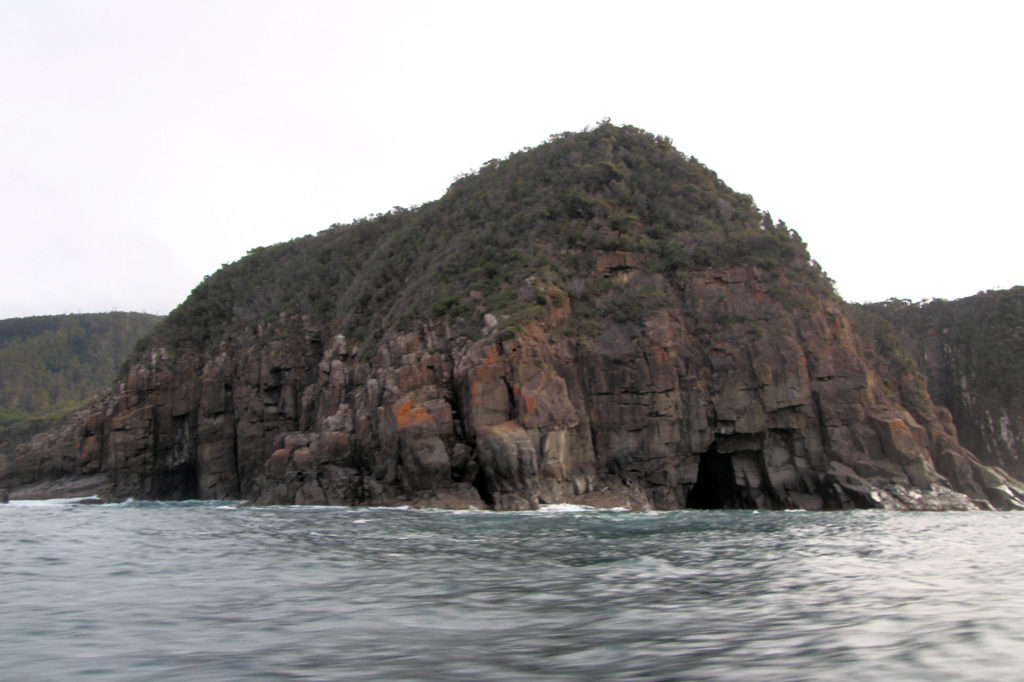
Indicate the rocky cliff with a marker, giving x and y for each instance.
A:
(971, 352)
(596, 321)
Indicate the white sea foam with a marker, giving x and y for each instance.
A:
(470, 510)
(51, 502)
(566, 508)
(577, 508)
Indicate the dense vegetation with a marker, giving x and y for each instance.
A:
(542, 213)
(51, 364)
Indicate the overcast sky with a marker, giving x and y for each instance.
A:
(145, 143)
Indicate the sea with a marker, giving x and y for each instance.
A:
(223, 591)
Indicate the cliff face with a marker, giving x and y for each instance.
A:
(971, 352)
(990, 427)
(596, 321)
(726, 400)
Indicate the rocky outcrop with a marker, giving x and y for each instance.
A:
(729, 395)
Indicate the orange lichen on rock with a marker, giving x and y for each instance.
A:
(410, 415)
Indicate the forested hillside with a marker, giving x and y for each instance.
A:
(544, 213)
(52, 364)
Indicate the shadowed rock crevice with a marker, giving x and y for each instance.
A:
(483, 488)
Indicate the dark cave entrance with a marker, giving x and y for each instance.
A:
(716, 487)
(179, 483)
(483, 487)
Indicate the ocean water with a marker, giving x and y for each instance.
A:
(215, 591)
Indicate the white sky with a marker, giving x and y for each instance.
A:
(145, 143)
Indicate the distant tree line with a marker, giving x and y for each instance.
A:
(51, 364)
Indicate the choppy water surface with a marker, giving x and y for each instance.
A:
(216, 592)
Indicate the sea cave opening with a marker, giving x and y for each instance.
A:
(716, 487)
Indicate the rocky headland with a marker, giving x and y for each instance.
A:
(598, 321)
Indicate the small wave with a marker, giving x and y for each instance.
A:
(565, 508)
(54, 501)
(568, 508)
(470, 510)
(131, 502)
(647, 567)
(40, 503)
